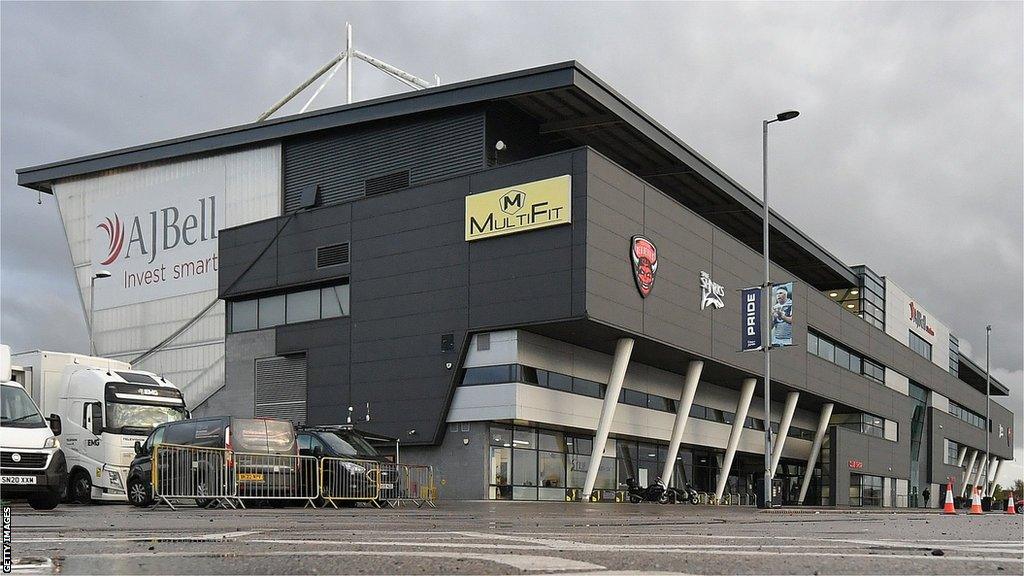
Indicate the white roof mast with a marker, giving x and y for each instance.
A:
(345, 57)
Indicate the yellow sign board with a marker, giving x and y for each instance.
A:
(519, 208)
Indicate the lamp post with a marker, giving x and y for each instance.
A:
(92, 306)
(766, 333)
(988, 415)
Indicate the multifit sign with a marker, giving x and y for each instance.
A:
(158, 241)
(919, 319)
(519, 208)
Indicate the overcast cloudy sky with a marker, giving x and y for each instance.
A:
(907, 155)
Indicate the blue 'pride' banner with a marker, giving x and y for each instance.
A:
(750, 309)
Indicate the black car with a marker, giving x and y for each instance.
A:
(219, 469)
(350, 479)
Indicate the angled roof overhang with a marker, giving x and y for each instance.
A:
(571, 106)
(974, 376)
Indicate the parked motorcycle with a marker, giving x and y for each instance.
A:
(654, 493)
(685, 494)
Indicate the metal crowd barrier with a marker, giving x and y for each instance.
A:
(276, 477)
(225, 478)
(407, 483)
(191, 472)
(345, 479)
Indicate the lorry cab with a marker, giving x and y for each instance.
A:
(105, 407)
(107, 413)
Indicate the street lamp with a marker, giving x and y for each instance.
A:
(92, 306)
(766, 333)
(988, 414)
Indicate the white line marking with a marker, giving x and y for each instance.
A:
(519, 562)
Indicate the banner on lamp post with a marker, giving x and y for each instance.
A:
(782, 315)
(750, 311)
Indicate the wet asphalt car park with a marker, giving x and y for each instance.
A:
(511, 538)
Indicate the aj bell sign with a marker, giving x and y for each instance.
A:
(159, 241)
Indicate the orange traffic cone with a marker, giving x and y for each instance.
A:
(1009, 505)
(948, 508)
(976, 502)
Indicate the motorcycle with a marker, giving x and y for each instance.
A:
(654, 493)
(685, 494)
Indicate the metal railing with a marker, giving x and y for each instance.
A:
(344, 479)
(217, 476)
(193, 473)
(407, 483)
(276, 477)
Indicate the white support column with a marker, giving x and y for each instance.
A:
(693, 370)
(981, 470)
(967, 473)
(993, 470)
(961, 456)
(787, 419)
(819, 436)
(742, 405)
(623, 350)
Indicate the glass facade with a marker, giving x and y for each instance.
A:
(823, 347)
(920, 396)
(861, 422)
(919, 345)
(505, 373)
(531, 463)
(954, 355)
(969, 416)
(867, 300)
(865, 490)
(290, 308)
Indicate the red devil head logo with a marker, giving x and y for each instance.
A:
(644, 257)
(115, 237)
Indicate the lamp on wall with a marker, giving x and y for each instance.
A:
(310, 197)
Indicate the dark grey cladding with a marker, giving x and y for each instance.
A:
(414, 280)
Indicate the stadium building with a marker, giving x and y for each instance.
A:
(484, 267)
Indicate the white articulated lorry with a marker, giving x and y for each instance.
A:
(105, 407)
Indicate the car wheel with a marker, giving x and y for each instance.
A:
(138, 493)
(80, 488)
(44, 500)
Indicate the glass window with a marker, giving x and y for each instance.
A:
(578, 465)
(271, 311)
(842, 357)
(243, 316)
(551, 441)
(920, 345)
(551, 469)
(501, 436)
(499, 472)
(528, 375)
(587, 388)
(524, 467)
(634, 398)
(812, 343)
(698, 411)
(488, 375)
(826, 350)
(661, 403)
(302, 306)
(559, 382)
(334, 301)
(524, 438)
(855, 363)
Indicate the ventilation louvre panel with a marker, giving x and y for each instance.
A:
(332, 255)
(387, 183)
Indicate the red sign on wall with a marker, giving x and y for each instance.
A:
(856, 464)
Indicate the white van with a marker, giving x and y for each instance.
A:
(32, 465)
